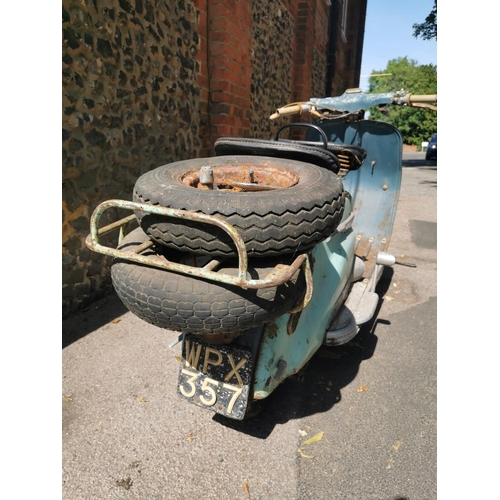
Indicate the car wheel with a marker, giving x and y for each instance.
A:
(304, 207)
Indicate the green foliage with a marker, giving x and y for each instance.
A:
(415, 124)
(428, 29)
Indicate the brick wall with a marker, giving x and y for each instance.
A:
(151, 82)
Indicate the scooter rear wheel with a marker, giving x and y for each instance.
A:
(192, 305)
(304, 207)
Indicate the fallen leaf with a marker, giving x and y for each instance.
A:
(362, 388)
(142, 400)
(67, 398)
(303, 454)
(117, 320)
(190, 437)
(388, 298)
(390, 461)
(178, 358)
(397, 444)
(314, 439)
(302, 433)
(246, 488)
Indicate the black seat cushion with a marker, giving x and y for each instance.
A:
(278, 149)
(306, 151)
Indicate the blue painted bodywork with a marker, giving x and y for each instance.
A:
(353, 101)
(332, 265)
(375, 186)
(374, 189)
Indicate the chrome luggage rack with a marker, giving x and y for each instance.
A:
(279, 275)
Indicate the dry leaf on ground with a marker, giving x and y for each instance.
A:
(246, 488)
(303, 455)
(397, 444)
(315, 438)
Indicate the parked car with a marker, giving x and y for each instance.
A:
(432, 148)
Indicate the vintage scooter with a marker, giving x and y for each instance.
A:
(264, 252)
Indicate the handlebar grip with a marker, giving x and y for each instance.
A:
(291, 109)
(422, 98)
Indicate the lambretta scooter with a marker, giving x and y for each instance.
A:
(264, 252)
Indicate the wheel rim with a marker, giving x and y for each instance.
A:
(243, 178)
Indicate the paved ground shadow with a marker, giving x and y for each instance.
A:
(98, 314)
(317, 387)
(420, 163)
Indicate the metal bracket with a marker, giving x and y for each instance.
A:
(347, 224)
(277, 276)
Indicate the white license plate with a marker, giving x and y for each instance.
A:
(216, 377)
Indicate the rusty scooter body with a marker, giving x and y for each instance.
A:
(231, 375)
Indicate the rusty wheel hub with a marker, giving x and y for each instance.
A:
(240, 178)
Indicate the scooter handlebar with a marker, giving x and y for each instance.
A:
(296, 108)
(352, 102)
(422, 101)
(422, 98)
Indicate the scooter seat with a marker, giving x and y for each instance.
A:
(293, 150)
(354, 155)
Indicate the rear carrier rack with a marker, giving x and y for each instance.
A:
(279, 275)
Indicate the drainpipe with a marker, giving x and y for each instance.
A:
(332, 45)
(360, 40)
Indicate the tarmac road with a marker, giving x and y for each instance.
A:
(370, 406)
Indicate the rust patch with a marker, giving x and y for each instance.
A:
(271, 330)
(292, 322)
(233, 178)
(363, 246)
(369, 261)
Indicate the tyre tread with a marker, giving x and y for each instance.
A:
(184, 303)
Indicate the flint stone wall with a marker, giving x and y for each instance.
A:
(130, 103)
(136, 95)
(272, 32)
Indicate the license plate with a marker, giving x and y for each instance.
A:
(216, 377)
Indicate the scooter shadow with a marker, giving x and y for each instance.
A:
(317, 387)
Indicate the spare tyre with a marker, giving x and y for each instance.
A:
(278, 206)
(189, 304)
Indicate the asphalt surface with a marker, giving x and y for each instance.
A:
(369, 407)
